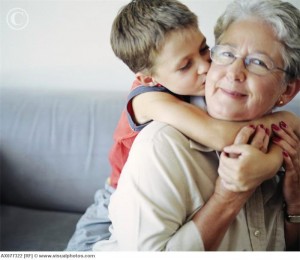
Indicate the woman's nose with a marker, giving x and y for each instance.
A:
(236, 71)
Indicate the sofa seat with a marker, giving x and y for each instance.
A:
(26, 229)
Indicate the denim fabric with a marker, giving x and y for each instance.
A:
(94, 224)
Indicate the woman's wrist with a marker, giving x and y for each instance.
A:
(233, 200)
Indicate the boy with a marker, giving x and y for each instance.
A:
(161, 43)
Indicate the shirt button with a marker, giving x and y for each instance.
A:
(257, 233)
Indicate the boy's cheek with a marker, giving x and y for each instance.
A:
(202, 92)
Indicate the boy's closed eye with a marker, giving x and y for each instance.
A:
(185, 66)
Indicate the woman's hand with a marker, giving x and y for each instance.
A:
(245, 164)
(290, 143)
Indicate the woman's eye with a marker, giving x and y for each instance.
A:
(258, 63)
(227, 54)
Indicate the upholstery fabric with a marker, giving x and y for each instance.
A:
(54, 147)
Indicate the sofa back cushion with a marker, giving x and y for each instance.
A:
(54, 146)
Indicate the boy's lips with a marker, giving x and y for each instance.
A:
(203, 80)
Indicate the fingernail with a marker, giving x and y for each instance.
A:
(285, 154)
(252, 126)
(276, 139)
(267, 131)
(261, 126)
(283, 124)
(275, 127)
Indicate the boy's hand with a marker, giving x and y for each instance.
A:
(245, 164)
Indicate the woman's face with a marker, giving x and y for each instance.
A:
(234, 93)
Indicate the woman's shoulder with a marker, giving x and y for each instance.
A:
(159, 132)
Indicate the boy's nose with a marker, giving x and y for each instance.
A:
(203, 66)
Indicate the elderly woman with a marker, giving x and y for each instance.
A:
(175, 194)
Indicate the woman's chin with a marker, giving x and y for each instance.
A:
(228, 115)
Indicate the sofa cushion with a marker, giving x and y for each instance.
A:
(54, 146)
(24, 229)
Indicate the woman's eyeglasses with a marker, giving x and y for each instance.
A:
(257, 63)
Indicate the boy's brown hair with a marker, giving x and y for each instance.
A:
(139, 30)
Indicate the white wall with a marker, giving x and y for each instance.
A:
(66, 42)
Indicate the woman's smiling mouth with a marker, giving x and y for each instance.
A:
(233, 94)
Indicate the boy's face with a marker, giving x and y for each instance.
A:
(183, 62)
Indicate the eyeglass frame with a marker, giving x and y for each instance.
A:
(246, 60)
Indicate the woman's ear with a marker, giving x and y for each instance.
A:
(291, 91)
(145, 80)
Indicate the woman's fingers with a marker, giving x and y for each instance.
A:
(287, 140)
(291, 183)
(290, 143)
(261, 139)
(257, 137)
(288, 163)
(244, 135)
(283, 131)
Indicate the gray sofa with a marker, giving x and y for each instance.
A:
(54, 155)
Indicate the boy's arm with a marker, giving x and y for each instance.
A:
(195, 122)
(187, 118)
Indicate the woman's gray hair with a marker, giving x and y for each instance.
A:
(282, 16)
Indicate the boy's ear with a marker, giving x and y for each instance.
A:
(291, 91)
(145, 80)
